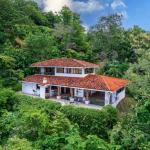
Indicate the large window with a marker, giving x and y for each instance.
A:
(68, 70)
(89, 70)
(50, 71)
(73, 70)
(76, 71)
(60, 70)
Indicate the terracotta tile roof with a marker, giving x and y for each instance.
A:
(95, 82)
(64, 62)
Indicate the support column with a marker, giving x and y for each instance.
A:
(50, 93)
(42, 92)
(59, 91)
(107, 97)
(87, 95)
(72, 92)
(65, 90)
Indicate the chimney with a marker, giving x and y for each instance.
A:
(44, 80)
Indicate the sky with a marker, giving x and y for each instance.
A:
(135, 12)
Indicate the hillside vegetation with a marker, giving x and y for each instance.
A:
(29, 35)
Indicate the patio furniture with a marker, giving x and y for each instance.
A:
(71, 100)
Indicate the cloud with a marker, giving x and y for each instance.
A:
(88, 6)
(86, 27)
(118, 3)
(54, 5)
(77, 6)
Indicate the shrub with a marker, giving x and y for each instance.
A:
(16, 143)
(91, 121)
(95, 143)
(6, 99)
(49, 107)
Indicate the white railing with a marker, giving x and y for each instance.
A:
(120, 96)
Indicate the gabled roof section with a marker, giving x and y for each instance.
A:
(95, 82)
(64, 62)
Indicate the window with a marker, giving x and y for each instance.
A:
(68, 70)
(73, 70)
(120, 90)
(50, 71)
(60, 70)
(89, 70)
(47, 90)
(37, 87)
(77, 71)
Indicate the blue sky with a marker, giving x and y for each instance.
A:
(135, 12)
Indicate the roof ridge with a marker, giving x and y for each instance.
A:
(79, 61)
(105, 82)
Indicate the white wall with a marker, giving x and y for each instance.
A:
(29, 88)
(42, 92)
(121, 95)
(107, 98)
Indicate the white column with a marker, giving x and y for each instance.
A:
(114, 97)
(83, 71)
(50, 92)
(107, 98)
(42, 92)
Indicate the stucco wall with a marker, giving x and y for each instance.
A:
(114, 98)
(29, 88)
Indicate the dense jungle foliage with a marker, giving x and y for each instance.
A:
(29, 35)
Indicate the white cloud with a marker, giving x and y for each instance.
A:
(77, 6)
(118, 3)
(86, 27)
(88, 6)
(54, 5)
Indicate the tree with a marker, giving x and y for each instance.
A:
(95, 143)
(115, 69)
(32, 123)
(109, 39)
(70, 33)
(132, 132)
(138, 74)
(9, 76)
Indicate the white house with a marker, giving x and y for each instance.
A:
(74, 80)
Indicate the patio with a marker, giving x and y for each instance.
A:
(67, 102)
(75, 96)
(78, 104)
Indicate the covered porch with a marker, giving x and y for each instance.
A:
(74, 95)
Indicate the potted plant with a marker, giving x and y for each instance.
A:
(58, 97)
(71, 100)
(87, 102)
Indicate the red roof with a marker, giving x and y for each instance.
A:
(95, 82)
(64, 62)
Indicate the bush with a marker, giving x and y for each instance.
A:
(91, 121)
(6, 99)
(49, 107)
